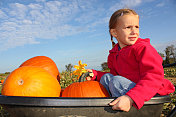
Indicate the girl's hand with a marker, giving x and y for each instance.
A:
(123, 103)
(91, 74)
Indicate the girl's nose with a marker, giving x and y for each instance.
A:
(134, 30)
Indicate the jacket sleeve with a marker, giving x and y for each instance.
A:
(97, 75)
(151, 75)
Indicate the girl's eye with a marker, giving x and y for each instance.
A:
(128, 27)
(137, 26)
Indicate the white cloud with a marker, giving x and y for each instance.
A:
(17, 10)
(125, 4)
(148, 0)
(40, 0)
(23, 24)
(2, 15)
(161, 4)
(93, 16)
(131, 3)
(25, 21)
(35, 6)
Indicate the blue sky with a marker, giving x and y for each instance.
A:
(71, 30)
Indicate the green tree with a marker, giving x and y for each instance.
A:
(173, 53)
(69, 68)
(104, 66)
(170, 52)
(161, 54)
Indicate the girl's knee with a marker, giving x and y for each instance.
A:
(121, 79)
(106, 78)
(122, 82)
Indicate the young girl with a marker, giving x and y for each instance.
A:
(136, 72)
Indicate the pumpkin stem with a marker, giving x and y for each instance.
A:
(20, 82)
(82, 78)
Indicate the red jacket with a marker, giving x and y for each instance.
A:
(141, 64)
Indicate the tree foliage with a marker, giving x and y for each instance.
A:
(170, 53)
(69, 67)
(104, 66)
(161, 54)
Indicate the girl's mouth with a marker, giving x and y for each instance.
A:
(132, 38)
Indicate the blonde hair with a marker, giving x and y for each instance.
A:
(115, 16)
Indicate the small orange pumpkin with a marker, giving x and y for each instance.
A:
(45, 63)
(85, 89)
(31, 81)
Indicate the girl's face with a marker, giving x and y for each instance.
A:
(127, 31)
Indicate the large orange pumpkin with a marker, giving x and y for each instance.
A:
(85, 89)
(45, 63)
(31, 81)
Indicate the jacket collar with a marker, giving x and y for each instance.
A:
(116, 47)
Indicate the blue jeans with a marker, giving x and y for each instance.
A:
(116, 85)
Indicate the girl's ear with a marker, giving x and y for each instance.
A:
(113, 33)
